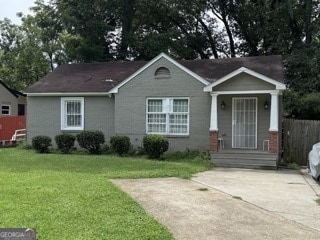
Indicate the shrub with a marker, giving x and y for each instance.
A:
(155, 145)
(120, 144)
(188, 154)
(106, 149)
(41, 143)
(91, 141)
(24, 145)
(65, 142)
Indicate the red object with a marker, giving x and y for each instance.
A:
(8, 125)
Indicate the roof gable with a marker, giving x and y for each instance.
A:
(162, 55)
(15, 93)
(278, 85)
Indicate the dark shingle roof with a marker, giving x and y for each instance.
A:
(211, 70)
(95, 77)
(85, 77)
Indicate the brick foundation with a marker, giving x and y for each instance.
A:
(273, 141)
(214, 145)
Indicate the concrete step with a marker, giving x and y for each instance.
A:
(245, 160)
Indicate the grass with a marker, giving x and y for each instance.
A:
(237, 197)
(294, 166)
(318, 201)
(71, 197)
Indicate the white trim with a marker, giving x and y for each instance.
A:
(9, 110)
(63, 114)
(161, 55)
(214, 112)
(167, 110)
(274, 112)
(256, 122)
(247, 92)
(278, 85)
(60, 94)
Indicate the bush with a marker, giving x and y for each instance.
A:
(188, 154)
(120, 144)
(155, 145)
(65, 142)
(91, 141)
(41, 143)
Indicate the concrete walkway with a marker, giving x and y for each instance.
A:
(210, 207)
(287, 193)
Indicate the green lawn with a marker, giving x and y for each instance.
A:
(71, 197)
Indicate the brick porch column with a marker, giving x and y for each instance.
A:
(273, 141)
(213, 131)
(213, 145)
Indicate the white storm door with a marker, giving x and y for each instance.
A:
(244, 123)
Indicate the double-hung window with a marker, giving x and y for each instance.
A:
(168, 116)
(72, 113)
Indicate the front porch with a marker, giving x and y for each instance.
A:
(238, 158)
(245, 120)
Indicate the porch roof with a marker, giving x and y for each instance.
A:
(278, 85)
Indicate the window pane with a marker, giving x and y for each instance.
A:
(180, 105)
(73, 107)
(178, 123)
(156, 123)
(155, 105)
(73, 113)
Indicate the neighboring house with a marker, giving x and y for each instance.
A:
(226, 106)
(12, 102)
(12, 114)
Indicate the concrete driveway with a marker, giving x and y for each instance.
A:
(232, 204)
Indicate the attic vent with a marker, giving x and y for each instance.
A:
(162, 72)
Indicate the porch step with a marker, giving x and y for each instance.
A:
(245, 160)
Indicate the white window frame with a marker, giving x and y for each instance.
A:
(9, 109)
(64, 125)
(167, 109)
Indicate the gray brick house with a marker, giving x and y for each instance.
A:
(227, 106)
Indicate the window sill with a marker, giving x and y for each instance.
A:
(170, 136)
(176, 136)
(71, 130)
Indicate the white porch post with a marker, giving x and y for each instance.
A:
(274, 112)
(214, 112)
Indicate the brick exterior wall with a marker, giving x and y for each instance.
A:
(273, 141)
(214, 145)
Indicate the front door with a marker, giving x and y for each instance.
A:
(244, 122)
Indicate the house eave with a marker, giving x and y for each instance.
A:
(62, 94)
(247, 92)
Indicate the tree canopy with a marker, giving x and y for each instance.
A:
(71, 31)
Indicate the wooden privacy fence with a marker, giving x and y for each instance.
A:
(298, 139)
(8, 126)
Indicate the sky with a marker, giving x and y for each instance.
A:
(9, 8)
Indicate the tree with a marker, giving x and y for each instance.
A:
(87, 24)
(45, 23)
(22, 62)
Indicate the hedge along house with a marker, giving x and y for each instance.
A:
(226, 106)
